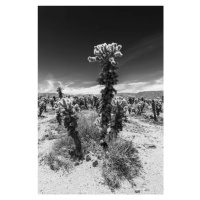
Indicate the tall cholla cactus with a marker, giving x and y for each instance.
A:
(106, 54)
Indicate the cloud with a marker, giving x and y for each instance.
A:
(51, 85)
(156, 85)
(147, 45)
(131, 87)
(88, 82)
(81, 90)
(125, 87)
(159, 81)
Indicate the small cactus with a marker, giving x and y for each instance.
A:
(59, 91)
(154, 109)
(68, 112)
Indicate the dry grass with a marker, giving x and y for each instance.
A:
(88, 132)
(86, 128)
(59, 157)
(57, 162)
(121, 163)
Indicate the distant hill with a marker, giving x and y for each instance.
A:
(48, 94)
(145, 94)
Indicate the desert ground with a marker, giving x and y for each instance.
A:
(84, 178)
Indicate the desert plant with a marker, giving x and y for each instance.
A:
(118, 118)
(88, 132)
(154, 109)
(56, 161)
(106, 54)
(67, 112)
(121, 163)
(59, 91)
(57, 109)
(86, 127)
(42, 106)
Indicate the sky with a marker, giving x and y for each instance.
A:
(67, 36)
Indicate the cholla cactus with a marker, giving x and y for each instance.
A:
(106, 54)
(42, 106)
(67, 111)
(153, 105)
(59, 91)
(77, 108)
(118, 117)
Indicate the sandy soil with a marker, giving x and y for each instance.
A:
(86, 179)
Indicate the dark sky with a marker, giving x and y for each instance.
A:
(67, 36)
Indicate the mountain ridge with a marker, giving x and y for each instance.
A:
(145, 94)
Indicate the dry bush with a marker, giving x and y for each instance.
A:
(88, 132)
(86, 127)
(57, 162)
(121, 163)
(60, 156)
(49, 135)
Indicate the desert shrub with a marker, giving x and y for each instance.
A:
(66, 147)
(88, 132)
(61, 156)
(121, 163)
(57, 162)
(86, 127)
(49, 135)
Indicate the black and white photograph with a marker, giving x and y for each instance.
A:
(100, 99)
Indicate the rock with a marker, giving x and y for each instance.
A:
(91, 153)
(137, 191)
(150, 146)
(64, 148)
(88, 158)
(55, 166)
(95, 163)
(146, 189)
(80, 162)
(77, 163)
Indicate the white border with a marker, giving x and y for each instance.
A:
(19, 98)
